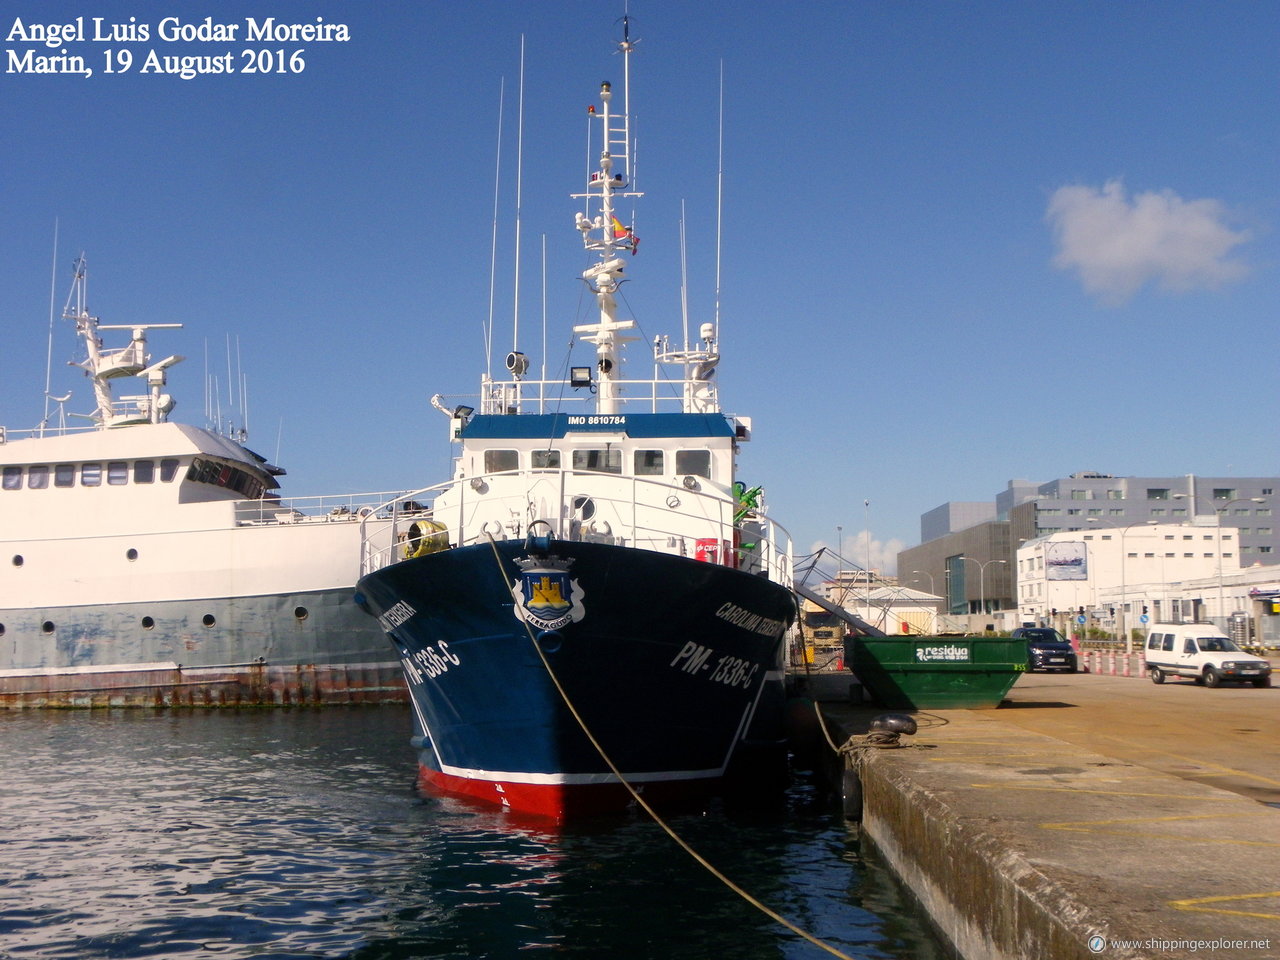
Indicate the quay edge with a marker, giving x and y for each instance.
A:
(1020, 845)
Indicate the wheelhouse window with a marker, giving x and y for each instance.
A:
(599, 461)
(12, 478)
(695, 462)
(90, 474)
(225, 475)
(168, 469)
(499, 461)
(117, 472)
(64, 475)
(38, 477)
(648, 463)
(546, 460)
(144, 471)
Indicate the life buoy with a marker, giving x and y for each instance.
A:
(426, 536)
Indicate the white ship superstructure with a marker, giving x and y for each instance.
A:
(149, 561)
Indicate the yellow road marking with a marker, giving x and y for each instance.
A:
(1105, 793)
(1098, 826)
(1225, 771)
(1197, 905)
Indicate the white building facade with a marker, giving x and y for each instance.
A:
(1117, 579)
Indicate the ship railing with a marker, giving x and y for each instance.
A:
(584, 505)
(553, 396)
(331, 508)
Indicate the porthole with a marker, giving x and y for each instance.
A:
(131, 554)
(208, 620)
(147, 623)
(47, 626)
(300, 613)
(17, 560)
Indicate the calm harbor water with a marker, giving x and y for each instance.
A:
(298, 834)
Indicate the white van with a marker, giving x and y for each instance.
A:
(1201, 652)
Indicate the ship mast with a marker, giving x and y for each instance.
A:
(605, 234)
(103, 366)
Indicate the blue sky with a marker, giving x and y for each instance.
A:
(963, 242)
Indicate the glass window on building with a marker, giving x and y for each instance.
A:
(1224, 493)
(1157, 493)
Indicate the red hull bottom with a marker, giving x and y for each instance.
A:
(567, 801)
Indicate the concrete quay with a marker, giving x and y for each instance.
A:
(1087, 816)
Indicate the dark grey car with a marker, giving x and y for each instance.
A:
(1047, 649)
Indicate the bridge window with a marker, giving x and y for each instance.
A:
(224, 475)
(38, 477)
(600, 461)
(144, 471)
(648, 463)
(498, 461)
(546, 459)
(117, 472)
(64, 475)
(168, 469)
(13, 478)
(90, 474)
(696, 462)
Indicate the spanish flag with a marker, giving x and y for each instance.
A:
(619, 231)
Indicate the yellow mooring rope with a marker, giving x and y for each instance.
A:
(684, 845)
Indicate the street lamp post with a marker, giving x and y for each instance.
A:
(1218, 511)
(926, 573)
(1124, 587)
(982, 585)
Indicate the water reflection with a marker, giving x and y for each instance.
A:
(296, 833)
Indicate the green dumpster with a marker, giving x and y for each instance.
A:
(922, 673)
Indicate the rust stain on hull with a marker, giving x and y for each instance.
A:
(247, 685)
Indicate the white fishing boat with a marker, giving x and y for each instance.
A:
(146, 561)
(597, 603)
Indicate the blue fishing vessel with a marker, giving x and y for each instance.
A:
(594, 605)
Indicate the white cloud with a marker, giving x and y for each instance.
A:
(1118, 244)
(883, 553)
